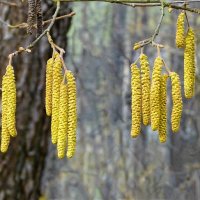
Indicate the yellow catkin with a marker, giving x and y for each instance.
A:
(11, 101)
(162, 130)
(189, 64)
(72, 114)
(63, 115)
(145, 81)
(136, 100)
(57, 79)
(49, 81)
(5, 136)
(177, 102)
(136, 46)
(155, 93)
(180, 38)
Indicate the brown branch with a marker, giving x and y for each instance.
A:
(150, 40)
(169, 5)
(30, 46)
(24, 25)
(114, 1)
(147, 3)
(193, 10)
(60, 17)
(54, 46)
(8, 3)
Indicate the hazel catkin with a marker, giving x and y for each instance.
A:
(145, 81)
(155, 93)
(162, 130)
(177, 101)
(72, 114)
(39, 17)
(57, 78)
(180, 38)
(49, 81)
(136, 46)
(63, 115)
(5, 136)
(31, 16)
(189, 64)
(11, 101)
(136, 100)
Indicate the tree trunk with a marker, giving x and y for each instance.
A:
(21, 168)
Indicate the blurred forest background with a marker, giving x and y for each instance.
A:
(108, 164)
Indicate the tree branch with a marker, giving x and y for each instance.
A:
(30, 46)
(24, 25)
(150, 40)
(147, 3)
(8, 3)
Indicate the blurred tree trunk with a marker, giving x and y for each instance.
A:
(21, 168)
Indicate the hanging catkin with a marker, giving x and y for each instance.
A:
(72, 114)
(145, 81)
(5, 136)
(49, 81)
(189, 64)
(39, 17)
(136, 100)
(155, 93)
(162, 130)
(57, 78)
(63, 115)
(11, 109)
(177, 101)
(180, 38)
(31, 16)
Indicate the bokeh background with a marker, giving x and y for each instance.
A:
(108, 164)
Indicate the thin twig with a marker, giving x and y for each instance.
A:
(24, 25)
(193, 10)
(156, 32)
(159, 24)
(54, 46)
(30, 46)
(60, 17)
(167, 68)
(187, 20)
(48, 28)
(8, 3)
(147, 3)
(133, 1)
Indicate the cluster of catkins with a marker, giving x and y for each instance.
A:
(8, 108)
(187, 41)
(60, 103)
(149, 96)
